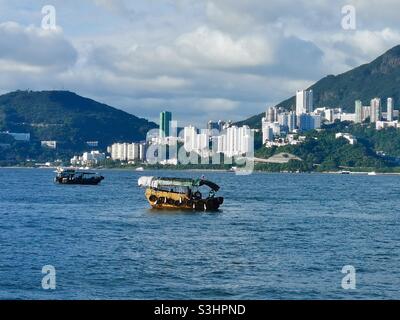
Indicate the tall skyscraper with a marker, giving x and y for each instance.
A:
(358, 107)
(304, 102)
(376, 111)
(165, 121)
(389, 115)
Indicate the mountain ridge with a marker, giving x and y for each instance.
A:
(68, 117)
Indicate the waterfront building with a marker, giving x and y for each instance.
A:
(88, 159)
(133, 151)
(142, 151)
(220, 143)
(165, 124)
(238, 141)
(190, 138)
(202, 142)
(127, 151)
(304, 102)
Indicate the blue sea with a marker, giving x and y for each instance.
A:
(277, 236)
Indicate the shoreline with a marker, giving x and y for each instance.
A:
(357, 173)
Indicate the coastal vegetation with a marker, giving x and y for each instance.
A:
(322, 151)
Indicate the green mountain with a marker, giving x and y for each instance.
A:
(69, 119)
(380, 78)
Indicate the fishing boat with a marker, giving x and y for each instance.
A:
(179, 193)
(72, 176)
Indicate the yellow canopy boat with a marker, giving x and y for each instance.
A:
(179, 193)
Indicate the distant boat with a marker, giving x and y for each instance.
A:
(72, 176)
(373, 173)
(345, 172)
(139, 169)
(178, 193)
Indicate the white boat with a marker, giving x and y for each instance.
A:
(373, 173)
(140, 169)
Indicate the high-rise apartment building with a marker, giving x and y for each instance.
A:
(165, 122)
(389, 113)
(304, 102)
(358, 111)
(376, 110)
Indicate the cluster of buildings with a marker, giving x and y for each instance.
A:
(88, 159)
(218, 138)
(279, 127)
(372, 113)
(278, 124)
(122, 152)
(127, 152)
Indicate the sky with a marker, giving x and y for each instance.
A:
(201, 60)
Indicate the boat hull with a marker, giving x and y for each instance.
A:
(91, 181)
(177, 201)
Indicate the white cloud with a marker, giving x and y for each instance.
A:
(213, 48)
(30, 48)
(201, 59)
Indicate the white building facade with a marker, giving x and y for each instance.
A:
(304, 102)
